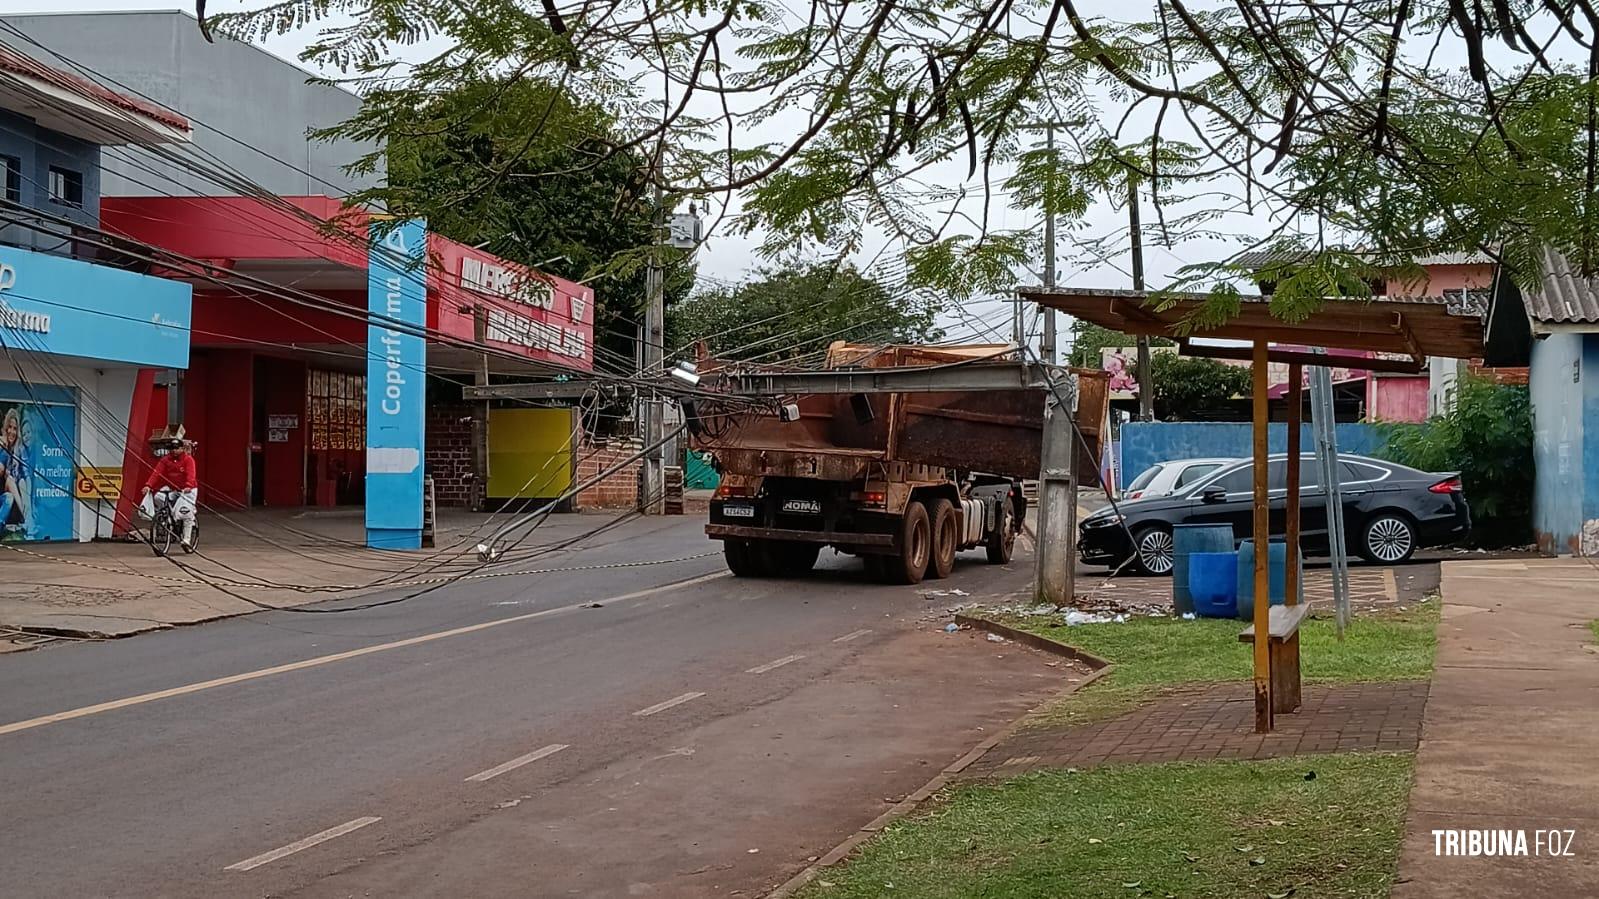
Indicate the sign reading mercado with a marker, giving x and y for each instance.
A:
(529, 313)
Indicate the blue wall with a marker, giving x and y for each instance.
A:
(1145, 443)
(37, 149)
(1565, 424)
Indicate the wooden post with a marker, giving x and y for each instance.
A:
(1296, 405)
(1262, 536)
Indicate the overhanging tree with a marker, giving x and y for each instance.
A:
(1343, 125)
(791, 314)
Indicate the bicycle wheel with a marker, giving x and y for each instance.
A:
(161, 534)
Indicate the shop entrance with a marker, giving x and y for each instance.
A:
(335, 461)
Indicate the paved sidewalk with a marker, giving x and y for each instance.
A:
(279, 558)
(1218, 722)
(1511, 734)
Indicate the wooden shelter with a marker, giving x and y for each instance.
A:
(1405, 330)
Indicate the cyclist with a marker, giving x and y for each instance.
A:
(174, 481)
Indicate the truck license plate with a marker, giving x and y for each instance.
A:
(739, 511)
(802, 506)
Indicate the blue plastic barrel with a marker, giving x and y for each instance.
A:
(1276, 576)
(1213, 584)
(1188, 539)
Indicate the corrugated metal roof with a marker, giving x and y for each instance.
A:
(1564, 296)
(1259, 259)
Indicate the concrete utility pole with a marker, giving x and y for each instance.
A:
(652, 498)
(1056, 571)
(1048, 345)
(1146, 374)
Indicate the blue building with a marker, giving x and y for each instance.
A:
(84, 330)
(1554, 330)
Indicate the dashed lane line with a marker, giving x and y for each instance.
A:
(517, 762)
(298, 845)
(142, 698)
(663, 706)
(852, 635)
(762, 669)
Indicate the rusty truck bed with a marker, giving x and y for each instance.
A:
(845, 437)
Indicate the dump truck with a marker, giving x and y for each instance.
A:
(902, 480)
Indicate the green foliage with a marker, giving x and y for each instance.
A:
(1088, 339)
(562, 202)
(824, 128)
(1187, 387)
(793, 313)
(1487, 437)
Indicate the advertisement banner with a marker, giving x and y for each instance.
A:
(396, 388)
(38, 442)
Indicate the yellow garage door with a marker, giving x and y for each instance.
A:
(530, 453)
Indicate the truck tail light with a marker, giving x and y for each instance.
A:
(1452, 485)
(869, 497)
(725, 490)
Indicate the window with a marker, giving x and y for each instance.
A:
(1360, 472)
(1239, 480)
(1143, 480)
(1194, 472)
(13, 167)
(337, 406)
(66, 187)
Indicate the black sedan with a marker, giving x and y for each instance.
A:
(1389, 512)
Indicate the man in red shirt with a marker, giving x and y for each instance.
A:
(174, 481)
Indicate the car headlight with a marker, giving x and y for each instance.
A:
(1099, 521)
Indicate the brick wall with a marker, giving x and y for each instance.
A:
(620, 490)
(448, 454)
(1501, 375)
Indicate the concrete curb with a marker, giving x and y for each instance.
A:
(909, 803)
(1043, 644)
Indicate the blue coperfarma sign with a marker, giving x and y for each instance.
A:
(396, 388)
(58, 305)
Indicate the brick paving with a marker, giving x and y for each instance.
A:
(1218, 722)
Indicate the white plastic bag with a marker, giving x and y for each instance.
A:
(147, 506)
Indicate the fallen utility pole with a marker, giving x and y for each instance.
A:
(1057, 509)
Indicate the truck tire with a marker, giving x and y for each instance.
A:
(1001, 544)
(941, 555)
(915, 546)
(796, 559)
(743, 558)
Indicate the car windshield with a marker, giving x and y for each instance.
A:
(1143, 480)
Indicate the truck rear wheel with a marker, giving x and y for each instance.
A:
(915, 546)
(941, 558)
(795, 559)
(744, 558)
(1001, 544)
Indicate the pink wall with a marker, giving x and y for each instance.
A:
(1396, 397)
(1440, 278)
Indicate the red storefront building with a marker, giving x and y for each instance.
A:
(275, 389)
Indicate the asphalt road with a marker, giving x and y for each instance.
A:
(620, 730)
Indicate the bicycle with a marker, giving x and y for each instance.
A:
(163, 529)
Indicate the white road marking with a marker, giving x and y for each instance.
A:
(518, 762)
(663, 706)
(297, 845)
(762, 669)
(142, 698)
(853, 635)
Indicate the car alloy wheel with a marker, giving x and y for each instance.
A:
(1388, 539)
(1155, 551)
